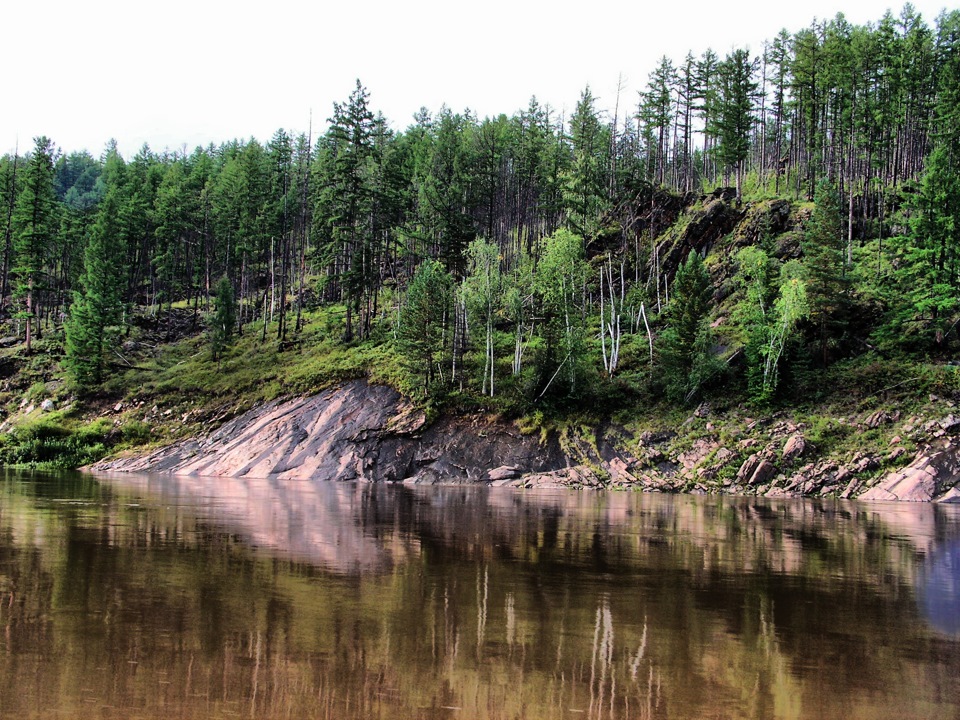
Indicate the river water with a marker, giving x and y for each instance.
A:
(159, 597)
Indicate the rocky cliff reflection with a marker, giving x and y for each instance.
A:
(184, 597)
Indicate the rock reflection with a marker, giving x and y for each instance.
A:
(336, 526)
(182, 597)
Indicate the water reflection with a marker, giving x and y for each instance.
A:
(939, 588)
(159, 596)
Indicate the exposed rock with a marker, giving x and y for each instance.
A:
(850, 489)
(896, 453)
(707, 225)
(862, 463)
(48, 405)
(794, 446)
(756, 470)
(702, 447)
(621, 473)
(369, 433)
(950, 424)
(574, 476)
(933, 473)
(950, 496)
(762, 220)
(880, 417)
(765, 470)
(504, 472)
(355, 432)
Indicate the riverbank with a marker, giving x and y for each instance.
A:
(360, 431)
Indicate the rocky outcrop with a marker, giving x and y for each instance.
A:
(366, 432)
(932, 475)
(354, 432)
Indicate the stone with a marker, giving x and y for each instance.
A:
(794, 447)
(850, 489)
(951, 496)
(748, 467)
(950, 424)
(877, 419)
(765, 470)
(504, 472)
(48, 405)
(896, 453)
(862, 463)
(756, 470)
(932, 473)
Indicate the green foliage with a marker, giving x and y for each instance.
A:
(929, 256)
(559, 284)
(584, 193)
(768, 322)
(686, 350)
(827, 284)
(482, 290)
(223, 320)
(733, 116)
(100, 305)
(424, 322)
(47, 444)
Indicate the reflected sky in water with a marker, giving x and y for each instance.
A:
(153, 596)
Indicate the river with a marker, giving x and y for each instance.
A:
(137, 596)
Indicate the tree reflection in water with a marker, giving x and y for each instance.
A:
(189, 597)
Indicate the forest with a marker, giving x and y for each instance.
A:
(536, 260)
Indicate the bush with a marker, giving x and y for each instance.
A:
(45, 444)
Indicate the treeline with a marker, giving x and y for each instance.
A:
(459, 233)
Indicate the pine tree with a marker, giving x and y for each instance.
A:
(224, 319)
(422, 336)
(823, 258)
(585, 187)
(343, 210)
(34, 227)
(685, 346)
(930, 258)
(99, 306)
(733, 121)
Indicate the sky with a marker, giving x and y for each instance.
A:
(183, 73)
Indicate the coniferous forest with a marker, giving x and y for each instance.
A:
(745, 224)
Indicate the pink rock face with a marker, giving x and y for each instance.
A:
(932, 474)
(794, 446)
(353, 432)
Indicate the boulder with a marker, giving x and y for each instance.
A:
(756, 470)
(794, 446)
(504, 472)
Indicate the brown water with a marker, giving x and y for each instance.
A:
(151, 597)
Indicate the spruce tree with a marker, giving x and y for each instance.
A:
(685, 346)
(99, 305)
(224, 319)
(34, 227)
(422, 336)
(827, 282)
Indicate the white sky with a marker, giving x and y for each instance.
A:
(188, 72)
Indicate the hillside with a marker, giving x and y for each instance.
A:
(838, 431)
